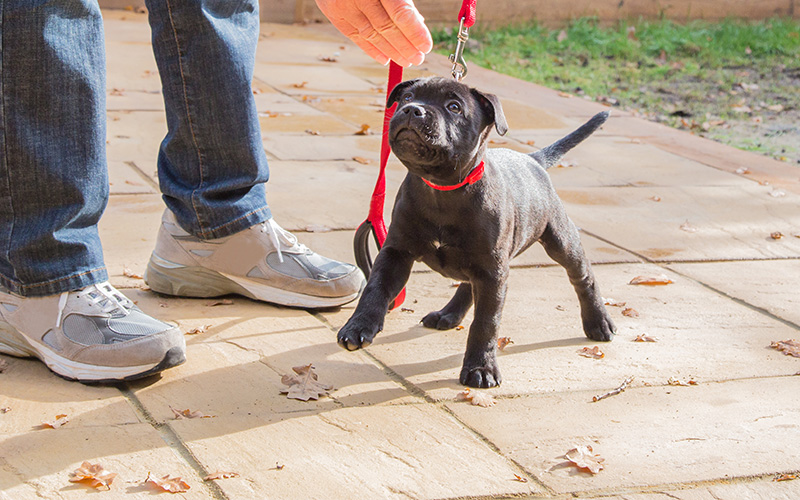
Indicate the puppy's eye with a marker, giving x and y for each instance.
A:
(407, 97)
(454, 107)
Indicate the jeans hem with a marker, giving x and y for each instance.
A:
(239, 224)
(53, 287)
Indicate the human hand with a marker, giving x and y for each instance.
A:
(384, 29)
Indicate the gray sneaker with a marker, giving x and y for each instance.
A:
(263, 262)
(95, 334)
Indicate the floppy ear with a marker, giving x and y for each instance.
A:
(492, 107)
(398, 90)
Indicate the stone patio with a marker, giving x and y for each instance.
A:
(392, 427)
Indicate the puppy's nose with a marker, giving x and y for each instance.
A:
(418, 110)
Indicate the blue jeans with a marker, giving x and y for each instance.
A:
(53, 173)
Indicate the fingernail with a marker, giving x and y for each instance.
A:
(418, 59)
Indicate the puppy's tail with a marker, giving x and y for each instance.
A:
(549, 156)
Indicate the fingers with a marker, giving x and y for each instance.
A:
(410, 22)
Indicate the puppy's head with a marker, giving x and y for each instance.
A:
(440, 127)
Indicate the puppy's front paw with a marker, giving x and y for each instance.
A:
(357, 334)
(600, 327)
(481, 376)
(441, 321)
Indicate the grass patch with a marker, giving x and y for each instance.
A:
(733, 81)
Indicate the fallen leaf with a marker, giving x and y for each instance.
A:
(330, 59)
(775, 107)
(279, 466)
(362, 160)
(613, 303)
(630, 312)
(521, 479)
(459, 328)
(182, 414)
(312, 132)
(299, 85)
(55, 423)
(583, 457)
(170, 484)
(566, 163)
(788, 347)
(688, 227)
(5, 409)
(477, 398)
(199, 329)
(786, 477)
(530, 142)
(591, 352)
(92, 474)
(776, 235)
(661, 279)
(221, 302)
(220, 475)
(560, 308)
(364, 130)
(655, 198)
(645, 338)
(130, 274)
(777, 193)
(303, 384)
(564, 95)
(504, 342)
(743, 170)
(679, 382)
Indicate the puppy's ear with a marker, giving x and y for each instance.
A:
(493, 109)
(398, 90)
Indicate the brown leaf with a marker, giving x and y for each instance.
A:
(459, 328)
(364, 130)
(199, 329)
(688, 227)
(661, 279)
(362, 160)
(655, 198)
(679, 382)
(130, 274)
(632, 33)
(583, 457)
(221, 302)
(477, 398)
(564, 95)
(331, 59)
(170, 484)
(182, 414)
(55, 423)
(521, 479)
(630, 312)
(303, 384)
(743, 170)
(786, 477)
(5, 409)
(591, 352)
(220, 475)
(406, 310)
(312, 132)
(504, 342)
(776, 235)
(645, 338)
(614, 303)
(299, 85)
(92, 474)
(788, 347)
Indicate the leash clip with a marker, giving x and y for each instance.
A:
(457, 58)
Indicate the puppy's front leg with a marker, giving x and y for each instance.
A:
(480, 361)
(389, 275)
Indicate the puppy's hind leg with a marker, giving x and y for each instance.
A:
(451, 315)
(562, 243)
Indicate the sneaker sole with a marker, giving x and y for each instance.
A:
(170, 278)
(15, 344)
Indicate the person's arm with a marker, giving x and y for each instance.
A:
(384, 29)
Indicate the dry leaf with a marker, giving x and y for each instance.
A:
(477, 398)
(362, 160)
(92, 474)
(677, 381)
(299, 85)
(776, 235)
(504, 342)
(220, 475)
(459, 328)
(312, 132)
(406, 310)
(279, 466)
(777, 193)
(521, 479)
(655, 198)
(564, 95)
(688, 227)
(364, 130)
(630, 312)
(331, 59)
(591, 352)
(614, 303)
(788, 347)
(583, 457)
(661, 279)
(318, 228)
(55, 423)
(303, 384)
(5, 409)
(199, 329)
(182, 414)
(130, 274)
(786, 477)
(170, 484)
(645, 338)
(221, 302)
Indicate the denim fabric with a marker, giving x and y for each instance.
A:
(53, 175)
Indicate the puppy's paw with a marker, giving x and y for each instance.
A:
(441, 321)
(481, 376)
(600, 328)
(356, 334)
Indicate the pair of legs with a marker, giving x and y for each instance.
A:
(211, 167)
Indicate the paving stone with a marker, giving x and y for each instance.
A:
(323, 148)
(760, 489)
(37, 464)
(356, 109)
(133, 67)
(320, 79)
(648, 435)
(409, 451)
(701, 335)
(312, 125)
(771, 285)
(125, 178)
(136, 136)
(729, 222)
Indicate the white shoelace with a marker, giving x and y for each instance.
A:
(108, 299)
(277, 234)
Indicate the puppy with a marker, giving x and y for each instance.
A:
(466, 211)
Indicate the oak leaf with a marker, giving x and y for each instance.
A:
(504, 342)
(92, 474)
(56, 422)
(220, 475)
(661, 279)
(785, 477)
(788, 347)
(303, 384)
(591, 352)
(583, 457)
(477, 398)
(170, 484)
(776, 235)
(630, 312)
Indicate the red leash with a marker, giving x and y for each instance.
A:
(375, 224)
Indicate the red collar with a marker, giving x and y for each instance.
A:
(472, 178)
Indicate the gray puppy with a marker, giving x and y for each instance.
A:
(469, 226)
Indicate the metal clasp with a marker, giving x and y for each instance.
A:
(457, 58)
